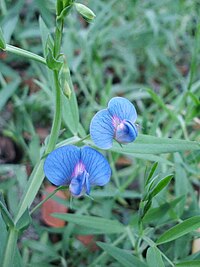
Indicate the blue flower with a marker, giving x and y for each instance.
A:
(116, 122)
(80, 168)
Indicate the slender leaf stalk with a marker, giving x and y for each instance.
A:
(24, 53)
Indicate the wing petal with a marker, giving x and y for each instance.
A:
(60, 163)
(102, 129)
(96, 166)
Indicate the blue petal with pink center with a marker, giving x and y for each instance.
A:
(116, 122)
(80, 168)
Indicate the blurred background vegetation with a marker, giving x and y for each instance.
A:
(146, 51)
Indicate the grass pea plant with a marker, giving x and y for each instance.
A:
(115, 89)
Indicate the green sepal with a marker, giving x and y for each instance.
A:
(2, 41)
(63, 13)
(5, 213)
(24, 221)
(53, 63)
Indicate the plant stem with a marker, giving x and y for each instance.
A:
(37, 175)
(48, 197)
(24, 53)
(57, 116)
(10, 248)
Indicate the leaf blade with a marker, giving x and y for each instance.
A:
(179, 230)
(122, 256)
(154, 258)
(104, 225)
(147, 144)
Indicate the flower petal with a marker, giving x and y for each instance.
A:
(80, 184)
(96, 165)
(122, 108)
(126, 132)
(60, 163)
(76, 185)
(102, 129)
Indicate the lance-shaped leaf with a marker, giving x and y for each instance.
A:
(180, 229)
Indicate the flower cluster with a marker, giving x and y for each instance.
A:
(81, 168)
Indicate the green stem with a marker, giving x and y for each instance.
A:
(114, 172)
(24, 53)
(48, 197)
(37, 176)
(10, 248)
(130, 236)
(57, 116)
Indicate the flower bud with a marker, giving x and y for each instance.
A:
(64, 80)
(66, 89)
(85, 12)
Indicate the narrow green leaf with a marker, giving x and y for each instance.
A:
(153, 168)
(45, 34)
(160, 186)
(2, 41)
(125, 258)
(5, 213)
(105, 225)
(147, 144)
(154, 258)
(155, 213)
(151, 157)
(147, 206)
(180, 229)
(24, 221)
(7, 91)
(195, 263)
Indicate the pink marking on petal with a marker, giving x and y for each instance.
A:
(79, 168)
(116, 121)
(120, 126)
